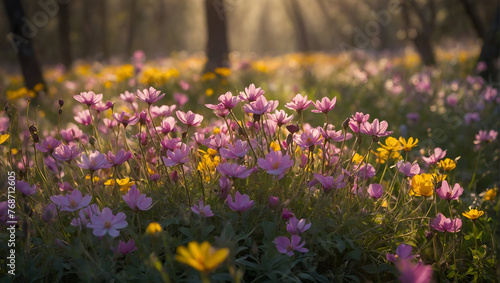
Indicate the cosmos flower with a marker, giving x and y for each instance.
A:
(190, 119)
(88, 98)
(443, 224)
(403, 252)
(299, 103)
(296, 226)
(325, 105)
(150, 95)
(94, 161)
(241, 202)
(71, 202)
(202, 210)
(447, 193)
(137, 201)
(234, 170)
(107, 223)
(287, 246)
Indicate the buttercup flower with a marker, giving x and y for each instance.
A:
(408, 145)
(422, 185)
(490, 194)
(286, 246)
(201, 209)
(153, 228)
(107, 223)
(202, 257)
(473, 214)
(447, 164)
(403, 252)
(240, 203)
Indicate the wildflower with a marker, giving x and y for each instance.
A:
(94, 161)
(329, 182)
(447, 164)
(375, 129)
(127, 96)
(162, 111)
(225, 186)
(125, 184)
(178, 156)
(336, 136)
(49, 212)
(485, 137)
(201, 209)
(490, 194)
(357, 158)
(135, 200)
(422, 185)
(4, 138)
(238, 150)
(241, 202)
(48, 145)
(65, 187)
(88, 98)
(71, 202)
(435, 157)
(180, 98)
(202, 257)
(443, 224)
(286, 246)
(403, 252)
(260, 106)
(153, 228)
(392, 144)
(101, 107)
(171, 144)
(275, 163)
(125, 248)
(273, 202)
(410, 273)
(167, 125)
(357, 120)
(66, 152)
(280, 117)
(121, 157)
(107, 223)
(126, 119)
(217, 141)
(274, 146)
(229, 101)
(150, 95)
(251, 93)
(408, 169)
(447, 193)
(84, 216)
(25, 188)
(190, 119)
(234, 170)
(408, 145)
(287, 214)
(309, 138)
(473, 214)
(296, 226)
(299, 103)
(365, 171)
(375, 191)
(325, 105)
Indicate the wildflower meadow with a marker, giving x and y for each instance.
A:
(296, 168)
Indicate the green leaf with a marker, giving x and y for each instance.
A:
(355, 254)
(269, 230)
(372, 269)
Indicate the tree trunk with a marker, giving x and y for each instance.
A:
(20, 38)
(422, 40)
(217, 45)
(64, 40)
(86, 28)
(104, 29)
(471, 11)
(490, 51)
(300, 26)
(131, 28)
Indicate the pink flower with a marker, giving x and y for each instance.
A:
(127, 96)
(434, 158)
(365, 171)
(180, 98)
(357, 120)
(308, 138)
(201, 209)
(190, 119)
(287, 214)
(162, 111)
(447, 193)
(84, 216)
(72, 133)
(402, 252)
(178, 156)
(71, 202)
(241, 202)
(125, 248)
(101, 107)
(259, 106)
(65, 187)
(171, 144)
(325, 105)
(275, 163)
(84, 117)
(126, 119)
(107, 223)
(88, 98)
(418, 273)
(94, 161)
(408, 169)
(66, 152)
(375, 129)
(375, 191)
(135, 200)
(336, 136)
(273, 202)
(121, 157)
(296, 226)
(329, 182)
(150, 95)
(287, 246)
(234, 170)
(25, 188)
(238, 150)
(48, 145)
(217, 141)
(167, 125)
(229, 101)
(280, 117)
(486, 137)
(251, 93)
(299, 103)
(443, 224)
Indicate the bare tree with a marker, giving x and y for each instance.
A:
(22, 44)
(423, 16)
(64, 30)
(217, 45)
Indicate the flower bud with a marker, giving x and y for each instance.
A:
(345, 124)
(61, 103)
(273, 202)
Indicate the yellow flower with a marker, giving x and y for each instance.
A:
(216, 130)
(38, 87)
(153, 228)
(357, 158)
(408, 145)
(382, 155)
(110, 182)
(225, 72)
(447, 164)
(490, 194)
(96, 179)
(473, 214)
(423, 185)
(392, 144)
(14, 151)
(275, 146)
(208, 76)
(3, 138)
(125, 184)
(209, 92)
(202, 257)
(212, 152)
